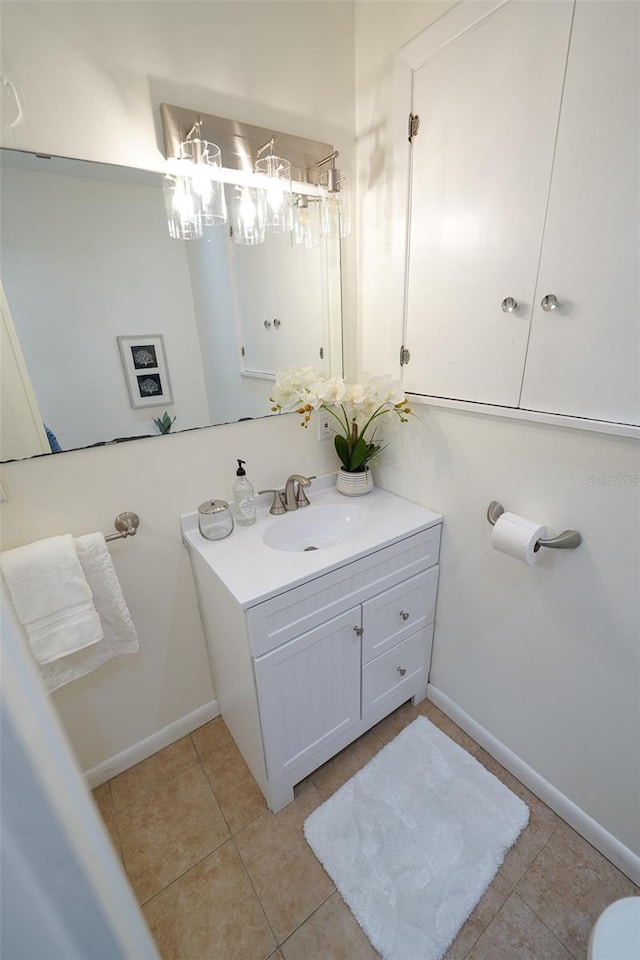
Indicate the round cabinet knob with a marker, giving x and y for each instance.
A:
(509, 305)
(404, 615)
(401, 671)
(276, 323)
(549, 303)
(358, 631)
(267, 324)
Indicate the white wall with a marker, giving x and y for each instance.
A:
(546, 658)
(90, 78)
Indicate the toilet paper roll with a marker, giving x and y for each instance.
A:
(517, 537)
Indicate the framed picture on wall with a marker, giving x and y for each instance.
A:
(145, 370)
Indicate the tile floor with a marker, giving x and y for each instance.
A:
(221, 878)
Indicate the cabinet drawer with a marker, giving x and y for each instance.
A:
(291, 613)
(383, 679)
(397, 613)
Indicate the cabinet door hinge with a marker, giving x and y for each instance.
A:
(414, 126)
(242, 353)
(405, 356)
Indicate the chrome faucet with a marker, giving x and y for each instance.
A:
(291, 497)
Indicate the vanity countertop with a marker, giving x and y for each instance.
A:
(253, 571)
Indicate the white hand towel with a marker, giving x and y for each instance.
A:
(119, 632)
(52, 597)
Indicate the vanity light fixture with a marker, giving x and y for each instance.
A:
(336, 200)
(202, 162)
(260, 189)
(277, 193)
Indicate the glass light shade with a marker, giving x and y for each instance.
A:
(247, 215)
(336, 206)
(206, 183)
(305, 231)
(183, 212)
(278, 198)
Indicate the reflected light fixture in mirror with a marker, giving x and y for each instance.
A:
(305, 231)
(335, 200)
(183, 215)
(247, 215)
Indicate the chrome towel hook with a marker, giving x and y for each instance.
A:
(567, 540)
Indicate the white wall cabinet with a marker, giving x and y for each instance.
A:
(302, 674)
(524, 184)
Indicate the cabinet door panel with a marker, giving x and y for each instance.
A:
(583, 358)
(309, 692)
(395, 614)
(488, 104)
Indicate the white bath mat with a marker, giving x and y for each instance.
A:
(414, 839)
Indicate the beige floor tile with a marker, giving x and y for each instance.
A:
(569, 885)
(542, 823)
(487, 908)
(331, 933)
(517, 934)
(211, 913)
(169, 830)
(288, 879)
(392, 725)
(236, 791)
(104, 802)
(444, 723)
(152, 772)
(210, 736)
(342, 767)
(277, 955)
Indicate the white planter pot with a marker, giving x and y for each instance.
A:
(354, 484)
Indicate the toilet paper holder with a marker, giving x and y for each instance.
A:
(567, 540)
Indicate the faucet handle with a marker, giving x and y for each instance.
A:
(277, 504)
(301, 498)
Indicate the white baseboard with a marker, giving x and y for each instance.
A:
(615, 851)
(146, 748)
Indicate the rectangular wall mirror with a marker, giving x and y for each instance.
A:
(87, 259)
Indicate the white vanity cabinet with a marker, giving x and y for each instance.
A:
(525, 187)
(302, 673)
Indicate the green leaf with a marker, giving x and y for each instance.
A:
(360, 454)
(342, 449)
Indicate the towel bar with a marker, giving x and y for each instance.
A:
(126, 524)
(567, 540)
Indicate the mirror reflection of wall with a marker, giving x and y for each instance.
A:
(86, 258)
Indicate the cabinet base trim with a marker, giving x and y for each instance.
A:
(150, 745)
(615, 851)
(515, 413)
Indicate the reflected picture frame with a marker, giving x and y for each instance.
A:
(145, 369)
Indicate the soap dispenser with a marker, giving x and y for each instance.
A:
(244, 500)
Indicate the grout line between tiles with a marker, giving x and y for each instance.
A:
(257, 895)
(143, 903)
(313, 912)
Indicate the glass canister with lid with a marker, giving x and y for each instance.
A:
(215, 521)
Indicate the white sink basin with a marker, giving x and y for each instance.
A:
(316, 527)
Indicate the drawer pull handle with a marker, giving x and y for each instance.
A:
(404, 615)
(401, 671)
(358, 631)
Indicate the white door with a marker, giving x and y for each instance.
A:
(309, 692)
(488, 104)
(583, 357)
